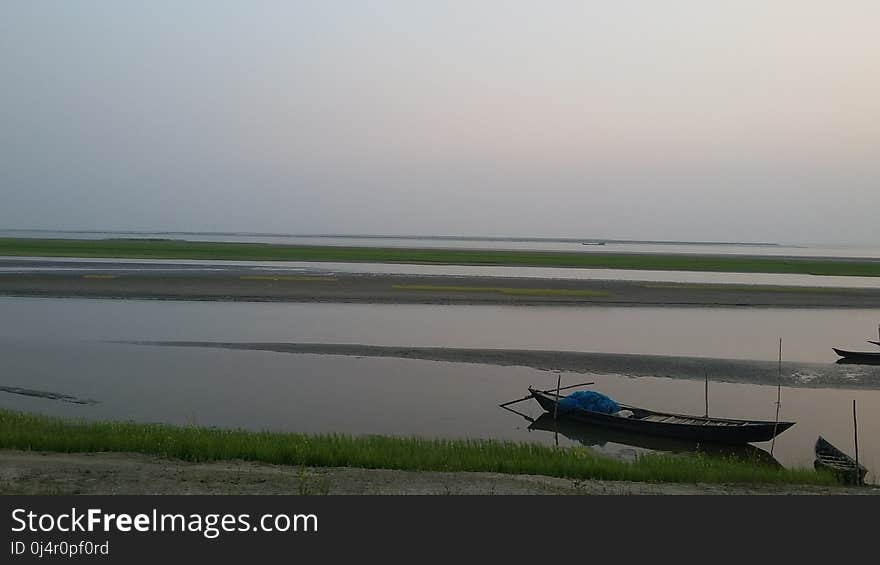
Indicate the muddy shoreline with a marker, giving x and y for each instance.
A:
(425, 289)
(41, 473)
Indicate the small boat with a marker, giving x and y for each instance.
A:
(842, 465)
(593, 243)
(857, 356)
(680, 426)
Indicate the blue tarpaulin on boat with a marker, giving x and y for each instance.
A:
(588, 400)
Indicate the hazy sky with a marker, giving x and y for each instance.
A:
(746, 120)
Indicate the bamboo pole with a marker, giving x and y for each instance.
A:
(557, 392)
(778, 398)
(707, 393)
(856, 439)
(556, 410)
(572, 386)
(556, 405)
(526, 416)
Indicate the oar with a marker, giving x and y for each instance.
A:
(544, 391)
(506, 404)
(528, 418)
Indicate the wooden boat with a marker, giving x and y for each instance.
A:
(858, 355)
(842, 465)
(681, 426)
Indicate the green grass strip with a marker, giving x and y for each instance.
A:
(504, 290)
(41, 433)
(724, 287)
(149, 249)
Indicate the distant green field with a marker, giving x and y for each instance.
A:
(19, 430)
(503, 290)
(151, 249)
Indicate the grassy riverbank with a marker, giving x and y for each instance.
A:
(152, 249)
(40, 433)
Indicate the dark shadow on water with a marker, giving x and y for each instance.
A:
(592, 436)
(49, 395)
(863, 361)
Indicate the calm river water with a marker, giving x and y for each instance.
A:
(62, 346)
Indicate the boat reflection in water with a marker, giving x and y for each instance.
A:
(858, 361)
(593, 436)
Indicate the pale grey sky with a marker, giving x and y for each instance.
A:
(755, 120)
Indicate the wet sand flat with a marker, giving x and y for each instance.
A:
(807, 375)
(229, 285)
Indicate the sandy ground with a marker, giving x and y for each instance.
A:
(121, 473)
(375, 288)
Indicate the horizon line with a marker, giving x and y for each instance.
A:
(397, 236)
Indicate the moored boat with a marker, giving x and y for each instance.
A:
(858, 355)
(867, 357)
(680, 426)
(842, 465)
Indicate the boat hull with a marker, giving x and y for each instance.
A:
(737, 432)
(843, 466)
(869, 357)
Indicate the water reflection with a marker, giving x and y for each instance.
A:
(858, 361)
(592, 436)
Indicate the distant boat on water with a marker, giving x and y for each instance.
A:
(866, 357)
(592, 243)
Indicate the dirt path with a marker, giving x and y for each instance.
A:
(122, 473)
